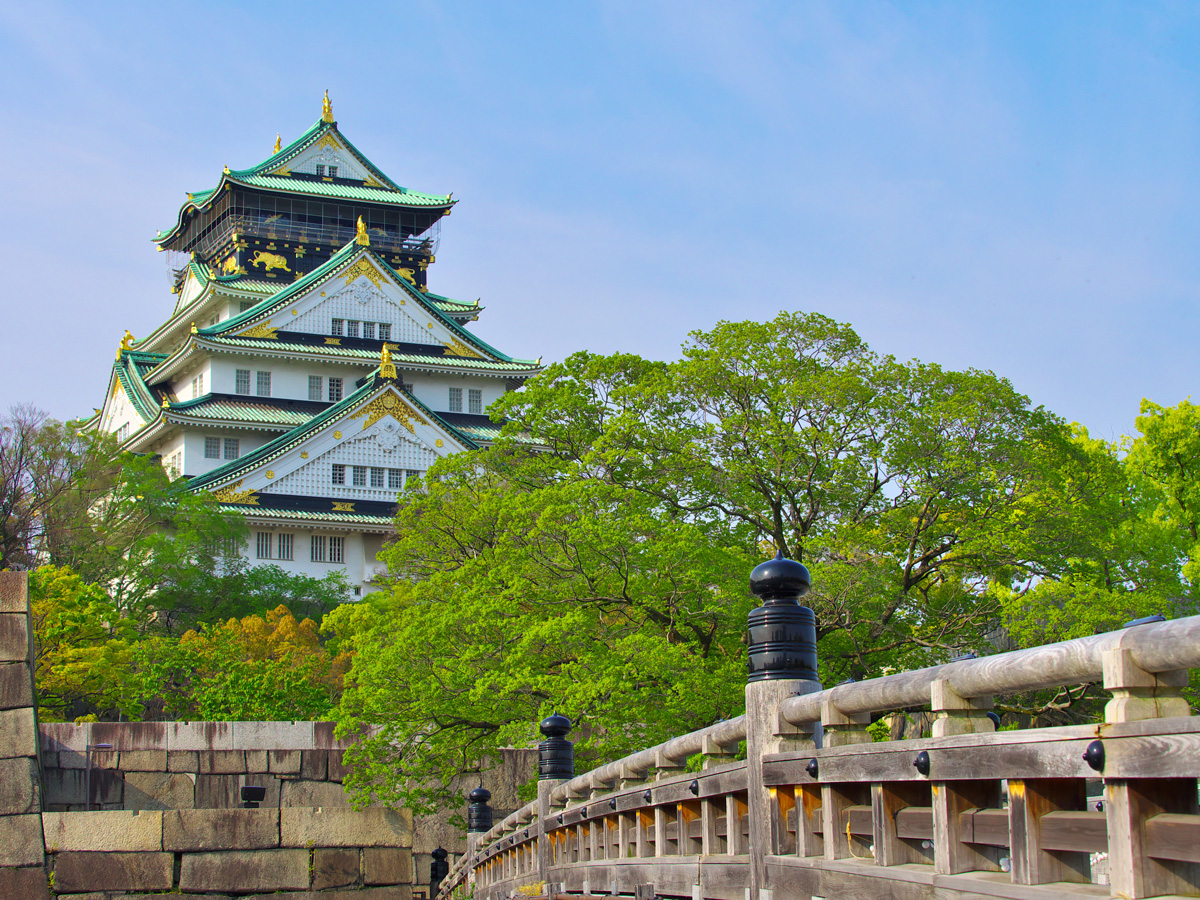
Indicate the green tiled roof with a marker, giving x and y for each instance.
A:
(400, 359)
(259, 176)
(308, 515)
(130, 370)
(241, 411)
(242, 283)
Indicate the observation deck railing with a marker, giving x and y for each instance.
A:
(819, 810)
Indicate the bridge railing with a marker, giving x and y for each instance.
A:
(817, 809)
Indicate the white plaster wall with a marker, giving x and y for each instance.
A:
(194, 462)
(181, 384)
(358, 565)
(289, 380)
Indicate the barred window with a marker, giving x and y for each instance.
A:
(318, 548)
(395, 479)
(338, 327)
(242, 381)
(335, 390)
(455, 399)
(264, 545)
(369, 330)
(212, 448)
(244, 305)
(377, 478)
(337, 549)
(385, 331)
(333, 171)
(352, 328)
(360, 476)
(284, 547)
(264, 384)
(232, 448)
(475, 401)
(320, 171)
(316, 386)
(339, 474)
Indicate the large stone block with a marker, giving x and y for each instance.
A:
(101, 759)
(218, 791)
(284, 762)
(18, 733)
(272, 735)
(256, 761)
(183, 761)
(59, 736)
(222, 762)
(387, 865)
(312, 793)
(144, 761)
(131, 735)
(397, 892)
(314, 765)
(334, 868)
(78, 872)
(14, 596)
(21, 841)
(16, 685)
(14, 636)
(68, 786)
(116, 831)
(159, 790)
(338, 770)
(25, 884)
(200, 735)
(245, 870)
(221, 829)
(19, 787)
(375, 827)
(323, 738)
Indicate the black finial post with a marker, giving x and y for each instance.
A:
(438, 869)
(556, 755)
(783, 634)
(479, 814)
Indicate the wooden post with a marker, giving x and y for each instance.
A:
(544, 850)
(1128, 804)
(954, 850)
(886, 801)
(1028, 801)
(810, 840)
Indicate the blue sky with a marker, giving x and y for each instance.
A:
(1007, 186)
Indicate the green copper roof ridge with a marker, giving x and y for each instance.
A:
(136, 389)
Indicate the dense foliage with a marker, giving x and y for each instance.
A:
(604, 575)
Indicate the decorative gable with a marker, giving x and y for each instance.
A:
(327, 157)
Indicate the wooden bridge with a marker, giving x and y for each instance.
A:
(818, 810)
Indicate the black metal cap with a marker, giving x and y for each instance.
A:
(780, 579)
(439, 853)
(479, 795)
(555, 726)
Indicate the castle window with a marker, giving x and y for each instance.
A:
(377, 478)
(316, 385)
(246, 304)
(318, 548)
(385, 331)
(335, 390)
(242, 381)
(320, 171)
(198, 386)
(369, 330)
(337, 549)
(352, 328)
(455, 399)
(395, 479)
(264, 384)
(359, 476)
(410, 474)
(339, 474)
(285, 546)
(231, 448)
(212, 448)
(333, 171)
(264, 544)
(338, 327)
(475, 401)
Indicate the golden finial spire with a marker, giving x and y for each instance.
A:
(326, 109)
(361, 237)
(387, 369)
(278, 143)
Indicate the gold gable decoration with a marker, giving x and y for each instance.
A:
(364, 268)
(455, 347)
(231, 494)
(261, 330)
(389, 404)
(328, 140)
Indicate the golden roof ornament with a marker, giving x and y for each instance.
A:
(166, 403)
(195, 330)
(326, 109)
(225, 169)
(387, 369)
(126, 343)
(278, 142)
(361, 238)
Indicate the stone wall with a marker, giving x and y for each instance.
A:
(159, 810)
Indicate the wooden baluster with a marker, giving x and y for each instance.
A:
(1028, 801)
(625, 836)
(835, 800)
(735, 808)
(1128, 804)
(886, 801)
(954, 851)
(809, 839)
(711, 842)
(645, 821)
(579, 843)
(689, 812)
(662, 818)
(783, 803)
